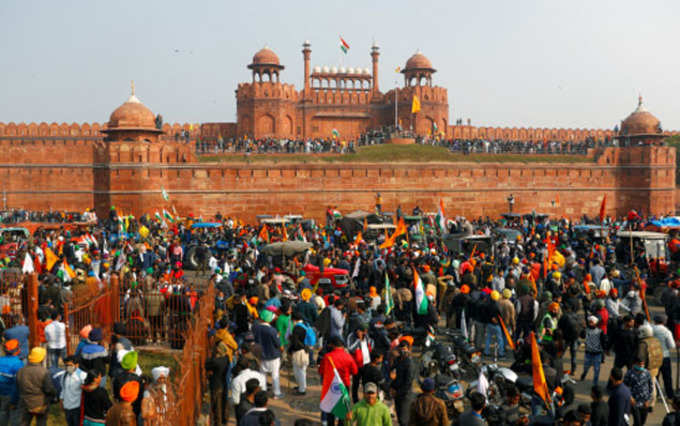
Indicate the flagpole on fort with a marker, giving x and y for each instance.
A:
(396, 106)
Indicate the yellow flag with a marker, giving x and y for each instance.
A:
(50, 258)
(144, 231)
(415, 106)
(69, 270)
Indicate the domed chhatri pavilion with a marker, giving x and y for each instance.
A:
(132, 121)
(641, 126)
(344, 99)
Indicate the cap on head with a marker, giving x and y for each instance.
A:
(428, 385)
(370, 387)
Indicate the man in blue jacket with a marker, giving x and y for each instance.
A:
(268, 338)
(9, 393)
(19, 332)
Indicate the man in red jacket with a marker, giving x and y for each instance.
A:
(345, 365)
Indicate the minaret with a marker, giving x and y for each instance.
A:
(375, 53)
(307, 53)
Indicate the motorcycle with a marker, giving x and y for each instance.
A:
(469, 357)
(440, 358)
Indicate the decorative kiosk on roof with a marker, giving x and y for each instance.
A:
(640, 127)
(132, 121)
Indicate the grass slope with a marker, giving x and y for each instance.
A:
(395, 154)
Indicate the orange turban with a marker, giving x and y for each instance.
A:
(372, 291)
(129, 391)
(11, 346)
(465, 289)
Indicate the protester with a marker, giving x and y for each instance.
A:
(122, 412)
(10, 364)
(370, 411)
(71, 391)
(35, 388)
(428, 409)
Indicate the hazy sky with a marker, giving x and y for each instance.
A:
(555, 63)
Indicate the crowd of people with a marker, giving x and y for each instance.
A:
(352, 307)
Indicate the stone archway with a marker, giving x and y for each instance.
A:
(265, 125)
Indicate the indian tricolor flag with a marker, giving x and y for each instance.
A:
(334, 396)
(421, 300)
(441, 219)
(168, 216)
(344, 46)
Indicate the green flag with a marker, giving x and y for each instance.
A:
(166, 197)
(389, 301)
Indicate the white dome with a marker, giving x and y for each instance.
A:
(325, 69)
(317, 69)
(343, 70)
(367, 71)
(334, 70)
(350, 70)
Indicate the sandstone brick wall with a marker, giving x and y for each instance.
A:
(76, 174)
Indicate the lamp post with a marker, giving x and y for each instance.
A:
(511, 202)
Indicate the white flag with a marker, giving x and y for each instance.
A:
(482, 384)
(27, 268)
(463, 325)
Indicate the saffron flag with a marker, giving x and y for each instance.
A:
(358, 239)
(334, 395)
(285, 233)
(68, 270)
(344, 46)
(441, 219)
(50, 258)
(540, 385)
(264, 234)
(421, 300)
(603, 206)
(389, 301)
(415, 105)
(511, 344)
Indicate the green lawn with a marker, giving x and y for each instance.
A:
(395, 154)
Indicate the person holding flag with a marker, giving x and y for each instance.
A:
(335, 369)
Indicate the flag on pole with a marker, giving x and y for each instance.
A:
(335, 133)
(415, 105)
(511, 344)
(334, 395)
(441, 219)
(603, 206)
(482, 384)
(358, 239)
(540, 385)
(166, 197)
(27, 267)
(421, 300)
(284, 232)
(434, 127)
(389, 301)
(463, 325)
(50, 258)
(344, 46)
(168, 216)
(264, 234)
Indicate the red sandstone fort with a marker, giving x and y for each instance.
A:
(126, 162)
